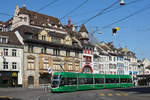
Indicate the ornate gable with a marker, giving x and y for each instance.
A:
(43, 35)
(68, 40)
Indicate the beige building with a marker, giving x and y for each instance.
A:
(47, 45)
(47, 50)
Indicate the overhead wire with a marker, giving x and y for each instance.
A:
(85, 13)
(27, 1)
(50, 3)
(130, 15)
(74, 9)
(5, 14)
(102, 11)
(116, 8)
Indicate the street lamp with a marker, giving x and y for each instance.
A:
(122, 2)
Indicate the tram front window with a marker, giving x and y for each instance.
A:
(55, 84)
(55, 81)
(56, 77)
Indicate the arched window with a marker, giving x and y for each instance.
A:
(30, 80)
(87, 69)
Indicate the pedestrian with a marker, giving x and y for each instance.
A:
(134, 84)
(13, 84)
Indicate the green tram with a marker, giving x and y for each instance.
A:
(69, 81)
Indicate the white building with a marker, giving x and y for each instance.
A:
(105, 59)
(126, 65)
(101, 60)
(11, 60)
(146, 64)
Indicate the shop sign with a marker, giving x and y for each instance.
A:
(14, 74)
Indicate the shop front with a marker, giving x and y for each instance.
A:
(143, 80)
(8, 78)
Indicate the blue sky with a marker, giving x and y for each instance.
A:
(134, 32)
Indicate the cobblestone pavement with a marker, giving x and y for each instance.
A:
(103, 94)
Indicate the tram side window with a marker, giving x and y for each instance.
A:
(99, 80)
(68, 81)
(116, 80)
(125, 80)
(112, 80)
(89, 80)
(108, 80)
(122, 80)
(85, 80)
(82, 81)
(130, 80)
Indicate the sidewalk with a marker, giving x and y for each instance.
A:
(140, 86)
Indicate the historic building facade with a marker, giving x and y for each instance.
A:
(47, 45)
(46, 50)
(88, 48)
(101, 60)
(11, 60)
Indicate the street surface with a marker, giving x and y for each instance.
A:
(104, 94)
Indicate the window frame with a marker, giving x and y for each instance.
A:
(56, 52)
(5, 65)
(14, 65)
(30, 64)
(14, 52)
(5, 52)
(30, 48)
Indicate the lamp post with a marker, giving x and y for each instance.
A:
(143, 72)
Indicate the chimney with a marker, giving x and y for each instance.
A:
(69, 22)
(24, 5)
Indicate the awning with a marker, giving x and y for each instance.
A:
(134, 72)
(148, 67)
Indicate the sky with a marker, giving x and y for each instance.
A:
(134, 28)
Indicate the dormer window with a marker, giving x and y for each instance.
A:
(49, 24)
(43, 37)
(21, 19)
(47, 19)
(25, 19)
(55, 26)
(43, 24)
(28, 35)
(0, 28)
(3, 39)
(32, 22)
(60, 27)
(75, 44)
